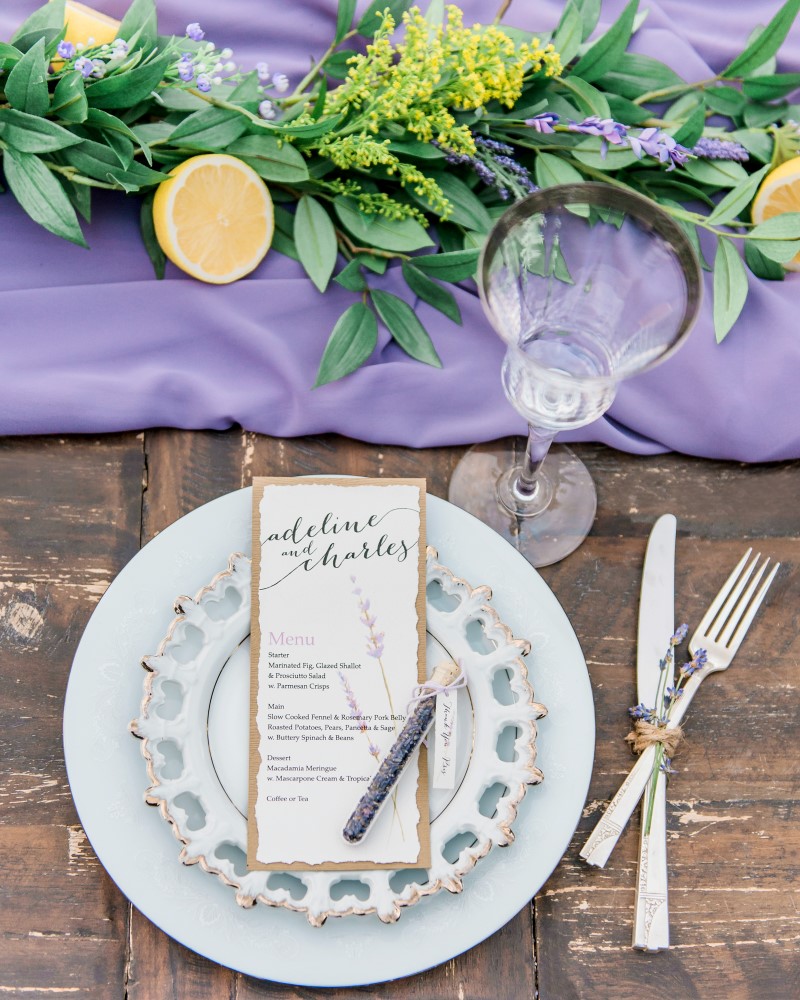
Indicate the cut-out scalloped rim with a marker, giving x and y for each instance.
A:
(473, 605)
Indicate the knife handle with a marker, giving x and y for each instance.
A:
(600, 844)
(651, 908)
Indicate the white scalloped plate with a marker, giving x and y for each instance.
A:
(497, 743)
(138, 849)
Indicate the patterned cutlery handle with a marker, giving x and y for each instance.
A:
(601, 843)
(651, 908)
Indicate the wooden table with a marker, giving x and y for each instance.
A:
(73, 511)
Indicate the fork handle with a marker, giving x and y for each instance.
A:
(651, 906)
(605, 835)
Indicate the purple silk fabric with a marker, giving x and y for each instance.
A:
(90, 341)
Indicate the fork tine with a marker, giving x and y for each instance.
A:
(735, 613)
(708, 618)
(744, 624)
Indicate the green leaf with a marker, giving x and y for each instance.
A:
(617, 157)
(351, 278)
(763, 115)
(766, 44)
(602, 56)
(467, 209)
(26, 85)
(126, 89)
(319, 103)
(431, 291)
(153, 247)
(315, 239)
(569, 33)
(457, 265)
(298, 132)
(9, 56)
(344, 18)
(30, 134)
(623, 110)
(337, 66)
(140, 25)
(769, 88)
(725, 100)
(416, 150)
(40, 194)
(403, 324)
(434, 15)
(761, 266)
(588, 99)
(213, 128)
(285, 244)
(370, 21)
(80, 195)
(69, 99)
(716, 173)
(758, 144)
(590, 15)
(730, 287)
(632, 75)
(99, 161)
(176, 99)
(271, 159)
(46, 23)
(737, 199)
(551, 170)
(657, 183)
(117, 135)
(372, 263)
(350, 344)
(779, 237)
(401, 235)
(691, 130)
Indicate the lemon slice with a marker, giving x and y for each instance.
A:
(779, 193)
(213, 218)
(84, 23)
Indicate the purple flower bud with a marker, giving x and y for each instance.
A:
(98, 68)
(262, 69)
(280, 82)
(267, 110)
(119, 47)
(84, 66)
(185, 71)
(203, 83)
(542, 123)
(195, 32)
(66, 50)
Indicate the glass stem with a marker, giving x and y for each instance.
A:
(535, 453)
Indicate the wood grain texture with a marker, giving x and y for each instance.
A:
(73, 511)
(70, 513)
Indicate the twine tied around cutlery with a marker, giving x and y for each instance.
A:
(645, 734)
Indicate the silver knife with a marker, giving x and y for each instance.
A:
(656, 625)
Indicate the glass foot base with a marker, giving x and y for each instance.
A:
(547, 537)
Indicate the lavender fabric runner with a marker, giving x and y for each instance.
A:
(90, 341)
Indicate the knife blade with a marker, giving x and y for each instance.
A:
(656, 625)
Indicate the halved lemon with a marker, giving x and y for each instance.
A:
(84, 23)
(779, 193)
(213, 218)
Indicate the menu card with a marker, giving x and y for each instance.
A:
(338, 646)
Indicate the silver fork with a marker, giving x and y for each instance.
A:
(720, 633)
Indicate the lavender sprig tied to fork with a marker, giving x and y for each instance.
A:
(719, 635)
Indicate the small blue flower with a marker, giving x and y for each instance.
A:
(280, 82)
(203, 83)
(195, 32)
(119, 47)
(66, 50)
(543, 123)
(679, 636)
(185, 71)
(262, 69)
(267, 110)
(84, 66)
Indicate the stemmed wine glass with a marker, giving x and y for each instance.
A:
(588, 284)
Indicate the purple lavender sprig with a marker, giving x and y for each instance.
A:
(357, 716)
(375, 644)
(710, 148)
(495, 166)
(649, 141)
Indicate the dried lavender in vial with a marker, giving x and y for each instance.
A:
(388, 774)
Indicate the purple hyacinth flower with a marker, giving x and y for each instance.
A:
(203, 83)
(195, 32)
(543, 123)
(66, 50)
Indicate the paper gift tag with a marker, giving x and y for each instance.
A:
(338, 645)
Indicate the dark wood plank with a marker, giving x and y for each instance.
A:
(69, 521)
(732, 847)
